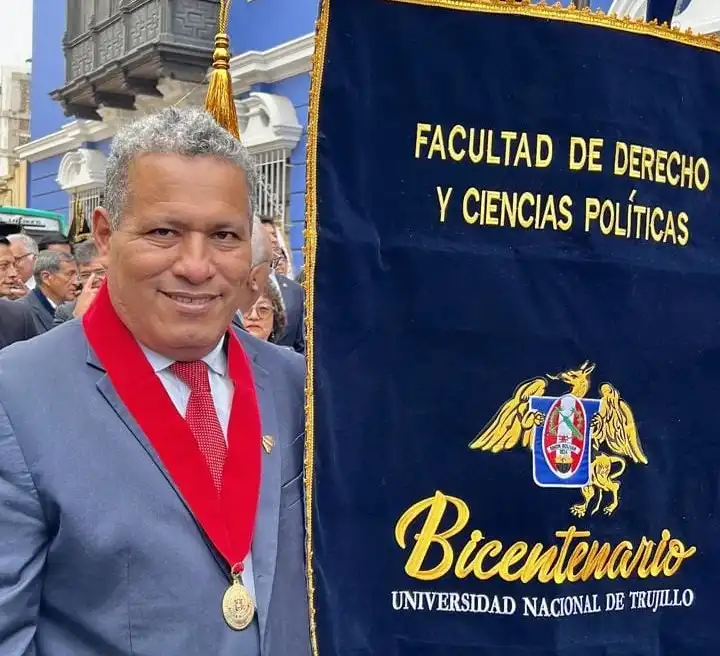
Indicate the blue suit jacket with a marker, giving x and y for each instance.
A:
(16, 322)
(98, 552)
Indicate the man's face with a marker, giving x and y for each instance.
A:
(181, 254)
(269, 229)
(97, 267)
(61, 286)
(24, 260)
(257, 280)
(9, 278)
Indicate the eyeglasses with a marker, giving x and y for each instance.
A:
(262, 311)
(98, 273)
(21, 258)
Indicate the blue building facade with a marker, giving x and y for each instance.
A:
(74, 42)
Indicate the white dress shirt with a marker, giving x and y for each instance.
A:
(221, 387)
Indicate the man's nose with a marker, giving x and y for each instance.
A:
(194, 262)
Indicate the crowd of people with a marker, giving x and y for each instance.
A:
(47, 281)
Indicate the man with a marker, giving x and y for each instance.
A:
(56, 242)
(292, 293)
(91, 273)
(55, 282)
(268, 225)
(25, 249)
(294, 299)
(9, 279)
(128, 501)
(259, 273)
(11, 286)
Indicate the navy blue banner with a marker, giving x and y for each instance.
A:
(514, 337)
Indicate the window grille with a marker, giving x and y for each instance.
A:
(272, 196)
(82, 205)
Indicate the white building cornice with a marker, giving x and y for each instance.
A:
(268, 122)
(81, 170)
(279, 63)
(71, 136)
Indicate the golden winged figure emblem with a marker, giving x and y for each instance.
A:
(561, 434)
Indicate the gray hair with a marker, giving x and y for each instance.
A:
(85, 251)
(49, 262)
(26, 240)
(260, 244)
(188, 131)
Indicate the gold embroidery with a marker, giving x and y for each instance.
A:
(577, 558)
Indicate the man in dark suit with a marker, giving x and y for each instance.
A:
(56, 281)
(16, 323)
(292, 293)
(294, 299)
(11, 286)
(91, 273)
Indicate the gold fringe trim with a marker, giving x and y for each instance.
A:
(555, 12)
(310, 258)
(572, 14)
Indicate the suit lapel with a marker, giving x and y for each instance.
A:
(265, 539)
(105, 387)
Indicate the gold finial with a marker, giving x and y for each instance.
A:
(220, 101)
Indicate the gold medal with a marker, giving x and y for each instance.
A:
(237, 605)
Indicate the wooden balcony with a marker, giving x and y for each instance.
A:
(117, 50)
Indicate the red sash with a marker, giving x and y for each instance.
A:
(228, 519)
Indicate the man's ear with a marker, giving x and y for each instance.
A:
(102, 231)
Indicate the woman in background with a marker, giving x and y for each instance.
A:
(266, 319)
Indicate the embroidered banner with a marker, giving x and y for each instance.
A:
(514, 334)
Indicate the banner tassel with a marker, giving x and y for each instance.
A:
(220, 101)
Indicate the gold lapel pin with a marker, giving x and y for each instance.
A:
(268, 443)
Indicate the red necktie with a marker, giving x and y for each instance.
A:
(202, 417)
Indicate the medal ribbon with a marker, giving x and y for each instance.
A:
(228, 519)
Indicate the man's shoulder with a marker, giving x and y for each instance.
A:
(57, 348)
(14, 309)
(273, 358)
(288, 284)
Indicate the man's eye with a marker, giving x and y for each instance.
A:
(162, 232)
(224, 235)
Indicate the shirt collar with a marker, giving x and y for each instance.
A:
(216, 359)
